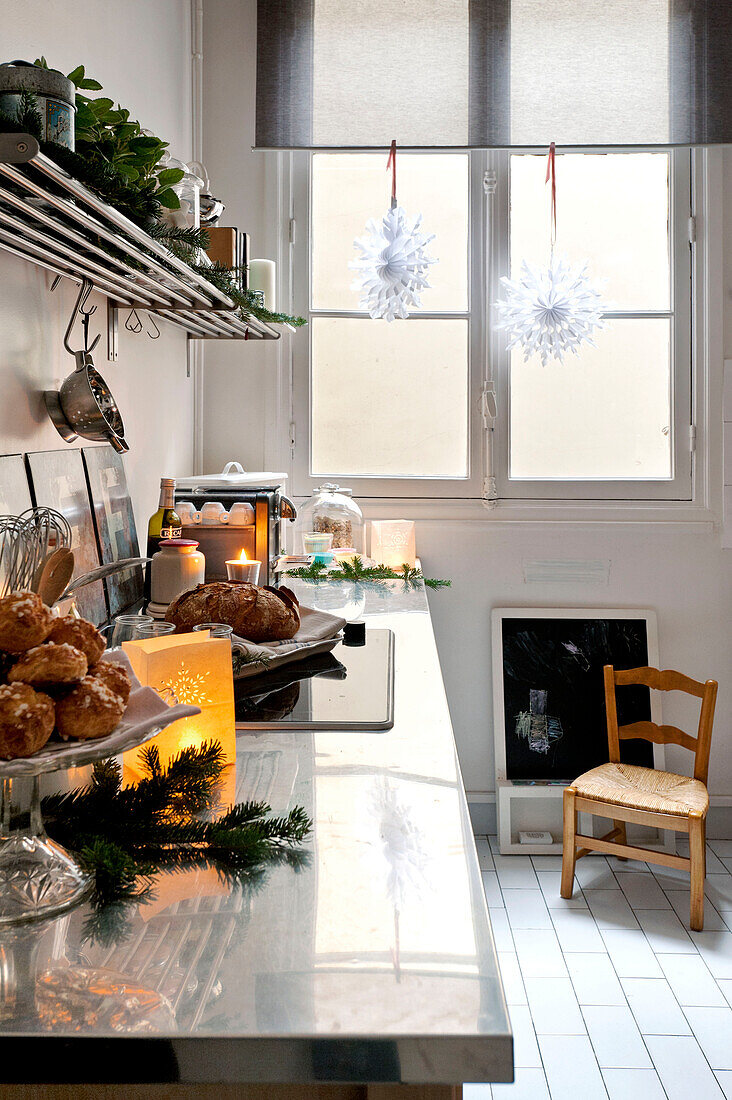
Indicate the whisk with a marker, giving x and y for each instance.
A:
(25, 541)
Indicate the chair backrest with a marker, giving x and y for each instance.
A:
(666, 680)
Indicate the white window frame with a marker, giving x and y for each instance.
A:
(478, 496)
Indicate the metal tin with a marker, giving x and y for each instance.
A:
(54, 94)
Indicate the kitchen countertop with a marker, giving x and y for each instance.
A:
(373, 961)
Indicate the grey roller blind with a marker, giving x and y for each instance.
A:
(493, 73)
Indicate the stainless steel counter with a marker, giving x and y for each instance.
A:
(371, 962)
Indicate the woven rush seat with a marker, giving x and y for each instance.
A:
(643, 789)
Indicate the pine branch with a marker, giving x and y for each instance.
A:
(226, 279)
(126, 834)
(356, 571)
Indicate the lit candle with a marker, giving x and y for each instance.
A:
(243, 569)
(392, 542)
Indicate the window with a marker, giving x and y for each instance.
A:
(395, 409)
(387, 407)
(613, 420)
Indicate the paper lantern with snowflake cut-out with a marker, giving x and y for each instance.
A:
(392, 268)
(551, 310)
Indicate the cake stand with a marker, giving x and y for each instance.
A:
(39, 878)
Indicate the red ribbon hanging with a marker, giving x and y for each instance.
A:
(391, 163)
(551, 174)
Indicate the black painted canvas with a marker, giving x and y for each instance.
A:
(114, 522)
(553, 695)
(59, 482)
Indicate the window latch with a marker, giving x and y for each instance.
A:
(488, 406)
(490, 180)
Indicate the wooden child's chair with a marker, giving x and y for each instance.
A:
(644, 796)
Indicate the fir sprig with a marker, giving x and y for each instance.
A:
(124, 835)
(241, 658)
(355, 570)
(226, 279)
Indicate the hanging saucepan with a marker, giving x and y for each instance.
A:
(85, 406)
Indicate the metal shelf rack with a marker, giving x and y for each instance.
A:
(50, 219)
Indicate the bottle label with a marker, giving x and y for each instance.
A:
(171, 532)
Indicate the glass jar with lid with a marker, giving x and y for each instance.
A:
(331, 510)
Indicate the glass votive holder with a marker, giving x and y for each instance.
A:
(125, 628)
(318, 544)
(216, 630)
(243, 569)
(146, 631)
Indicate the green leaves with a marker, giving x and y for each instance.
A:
(169, 176)
(79, 79)
(117, 146)
(168, 199)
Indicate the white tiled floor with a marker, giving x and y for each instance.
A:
(610, 995)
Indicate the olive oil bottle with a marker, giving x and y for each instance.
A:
(164, 524)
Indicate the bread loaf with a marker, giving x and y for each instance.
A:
(257, 614)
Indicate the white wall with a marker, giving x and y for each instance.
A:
(237, 374)
(140, 51)
(681, 572)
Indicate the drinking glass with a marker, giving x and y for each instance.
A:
(125, 627)
(217, 630)
(153, 629)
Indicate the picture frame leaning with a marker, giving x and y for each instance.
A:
(548, 706)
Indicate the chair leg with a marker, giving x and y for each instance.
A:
(697, 845)
(622, 839)
(569, 846)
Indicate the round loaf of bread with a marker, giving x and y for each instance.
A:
(257, 614)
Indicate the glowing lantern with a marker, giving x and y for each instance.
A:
(188, 668)
(392, 542)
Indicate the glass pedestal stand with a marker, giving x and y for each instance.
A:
(38, 878)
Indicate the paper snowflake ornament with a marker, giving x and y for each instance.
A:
(550, 310)
(392, 269)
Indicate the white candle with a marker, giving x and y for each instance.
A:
(243, 569)
(262, 278)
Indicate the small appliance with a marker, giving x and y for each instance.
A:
(261, 539)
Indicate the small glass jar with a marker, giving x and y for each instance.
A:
(177, 567)
(125, 628)
(146, 631)
(331, 510)
(216, 630)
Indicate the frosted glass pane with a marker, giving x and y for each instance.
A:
(605, 413)
(612, 210)
(349, 189)
(576, 70)
(389, 400)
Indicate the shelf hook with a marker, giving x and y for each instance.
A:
(136, 325)
(84, 291)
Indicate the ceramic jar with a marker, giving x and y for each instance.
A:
(177, 567)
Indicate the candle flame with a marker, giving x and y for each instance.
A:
(243, 556)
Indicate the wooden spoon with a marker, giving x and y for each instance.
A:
(56, 575)
(38, 571)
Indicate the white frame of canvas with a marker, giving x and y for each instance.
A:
(508, 793)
